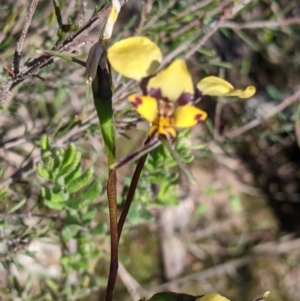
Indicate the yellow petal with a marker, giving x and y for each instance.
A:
(146, 106)
(188, 116)
(111, 20)
(212, 297)
(216, 86)
(134, 57)
(173, 81)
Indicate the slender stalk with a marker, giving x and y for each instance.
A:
(131, 192)
(114, 237)
(177, 158)
(103, 102)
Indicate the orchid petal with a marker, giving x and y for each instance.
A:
(172, 81)
(188, 116)
(216, 86)
(146, 106)
(134, 57)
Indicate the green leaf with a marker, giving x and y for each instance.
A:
(179, 161)
(53, 205)
(69, 155)
(44, 143)
(60, 55)
(74, 162)
(17, 206)
(86, 197)
(70, 231)
(52, 196)
(53, 200)
(88, 216)
(74, 174)
(81, 181)
(52, 284)
(100, 229)
(221, 64)
(42, 171)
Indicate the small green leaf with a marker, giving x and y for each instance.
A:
(60, 55)
(221, 64)
(54, 197)
(100, 229)
(81, 181)
(69, 157)
(67, 169)
(53, 205)
(88, 216)
(42, 171)
(53, 200)
(17, 206)
(86, 197)
(73, 175)
(44, 143)
(70, 231)
(52, 284)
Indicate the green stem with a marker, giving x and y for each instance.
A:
(177, 158)
(102, 93)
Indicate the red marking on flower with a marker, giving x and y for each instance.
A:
(184, 99)
(199, 118)
(198, 94)
(137, 102)
(156, 93)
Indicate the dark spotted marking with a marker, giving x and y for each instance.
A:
(199, 118)
(137, 102)
(185, 98)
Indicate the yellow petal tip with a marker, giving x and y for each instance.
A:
(248, 92)
(266, 294)
(216, 86)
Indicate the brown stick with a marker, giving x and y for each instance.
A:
(114, 237)
(131, 192)
(18, 50)
(35, 65)
(256, 122)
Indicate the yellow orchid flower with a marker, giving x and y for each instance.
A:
(167, 101)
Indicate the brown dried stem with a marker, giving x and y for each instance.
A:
(18, 50)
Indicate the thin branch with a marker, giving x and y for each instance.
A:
(131, 191)
(274, 248)
(17, 216)
(262, 24)
(160, 14)
(256, 122)
(35, 65)
(133, 287)
(191, 9)
(18, 50)
(210, 30)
